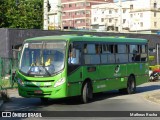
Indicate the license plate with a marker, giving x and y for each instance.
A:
(38, 92)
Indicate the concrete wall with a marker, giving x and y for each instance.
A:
(4, 48)
(9, 38)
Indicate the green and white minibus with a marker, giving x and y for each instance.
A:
(69, 65)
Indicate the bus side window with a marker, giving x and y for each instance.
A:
(122, 54)
(85, 48)
(91, 57)
(143, 53)
(134, 53)
(74, 54)
(98, 49)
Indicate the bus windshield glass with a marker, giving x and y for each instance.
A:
(42, 58)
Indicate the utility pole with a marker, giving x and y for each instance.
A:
(60, 12)
(45, 14)
(157, 54)
(120, 16)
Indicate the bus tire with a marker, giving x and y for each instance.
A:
(131, 85)
(87, 92)
(44, 100)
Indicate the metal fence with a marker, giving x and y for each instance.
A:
(8, 67)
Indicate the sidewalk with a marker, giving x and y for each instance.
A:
(154, 97)
(1, 103)
(10, 93)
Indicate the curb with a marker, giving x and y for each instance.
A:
(1, 103)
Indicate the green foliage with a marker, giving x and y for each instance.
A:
(21, 14)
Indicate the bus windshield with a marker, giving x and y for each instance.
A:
(42, 58)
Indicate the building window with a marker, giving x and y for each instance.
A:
(141, 24)
(131, 15)
(124, 10)
(87, 12)
(155, 24)
(64, 6)
(115, 20)
(87, 21)
(95, 19)
(124, 20)
(110, 11)
(78, 21)
(87, 4)
(64, 14)
(64, 22)
(83, 12)
(116, 11)
(70, 5)
(79, 4)
(77, 13)
(110, 20)
(154, 14)
(141, 14)
(102, 19)
(155, 5)
(131, 6)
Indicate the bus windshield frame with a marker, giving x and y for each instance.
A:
(42, 58)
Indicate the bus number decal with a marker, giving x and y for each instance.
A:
(101, 86)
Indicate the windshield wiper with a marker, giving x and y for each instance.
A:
(30, 70)
(38, 68)
(46, 70)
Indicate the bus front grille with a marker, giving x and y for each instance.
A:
(31, 93)
(31, 86)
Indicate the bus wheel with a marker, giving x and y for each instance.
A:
(44, 100)
(87, 92)
(131, 85)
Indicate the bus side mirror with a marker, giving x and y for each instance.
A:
(19, 53)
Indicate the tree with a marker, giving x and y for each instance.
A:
(3, 9)
(22, 14)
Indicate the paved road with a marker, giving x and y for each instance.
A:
(108, 101)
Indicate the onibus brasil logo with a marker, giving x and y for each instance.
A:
(116, 71)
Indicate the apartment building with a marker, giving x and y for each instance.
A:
(77, 13)
(145, 15)
(131, 16)
(53, 14)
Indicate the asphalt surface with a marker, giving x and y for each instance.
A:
(153, 96)
(151, 93)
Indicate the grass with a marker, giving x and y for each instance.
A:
(4, 85)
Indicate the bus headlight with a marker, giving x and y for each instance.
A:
(60, 82)
(20, 82)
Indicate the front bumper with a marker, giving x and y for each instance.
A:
(41, 92)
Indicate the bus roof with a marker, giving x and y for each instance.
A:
(88, 38)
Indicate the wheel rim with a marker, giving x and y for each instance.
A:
(87, 92)
(132, 86)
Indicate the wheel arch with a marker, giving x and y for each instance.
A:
(85, 81)
(133, 75)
